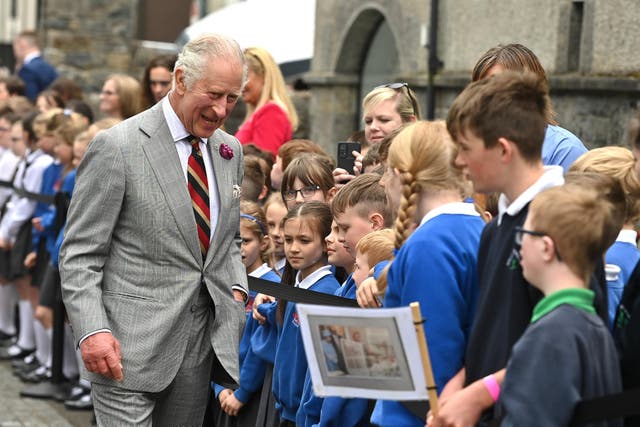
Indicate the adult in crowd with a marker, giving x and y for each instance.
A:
(271, 116)
(156, 79)
(31, 67)
(121, 96)
(385, 108)
(560, 146)
(152, 276)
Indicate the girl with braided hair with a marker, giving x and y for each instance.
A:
(436, 237)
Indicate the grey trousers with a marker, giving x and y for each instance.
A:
(182, 403)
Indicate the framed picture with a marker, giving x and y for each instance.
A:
(372, 353)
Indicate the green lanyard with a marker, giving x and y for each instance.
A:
(577, 297)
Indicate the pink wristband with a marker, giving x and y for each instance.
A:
(492, 387)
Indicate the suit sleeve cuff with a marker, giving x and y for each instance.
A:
(241, 288)
(92, 333)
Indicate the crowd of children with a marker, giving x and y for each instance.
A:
(39, 153)
(512, 284)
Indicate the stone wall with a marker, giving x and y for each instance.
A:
(594, 78)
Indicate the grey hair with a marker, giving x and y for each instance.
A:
(193, 58)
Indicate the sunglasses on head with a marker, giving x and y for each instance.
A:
(395, 86)
(399, 86)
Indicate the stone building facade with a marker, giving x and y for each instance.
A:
(588, 48)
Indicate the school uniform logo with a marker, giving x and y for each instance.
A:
(513, 262)
(296, 320)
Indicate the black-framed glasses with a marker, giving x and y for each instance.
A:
(306, 192)
(519, 232)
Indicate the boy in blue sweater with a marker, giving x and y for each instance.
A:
(567, 353)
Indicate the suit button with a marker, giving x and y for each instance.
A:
(194, 308)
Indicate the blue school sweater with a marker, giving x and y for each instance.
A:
(437, 267)
(49, 218)
(252, 368)
(310, 405)
(290, 365)
(623, 253)
(67, 187)
(265, 338)
(50, 177)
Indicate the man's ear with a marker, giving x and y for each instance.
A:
(180, 86)
(377, 221)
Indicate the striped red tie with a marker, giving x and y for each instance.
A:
(199, 192)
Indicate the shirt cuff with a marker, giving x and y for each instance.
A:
(241, 288)
(92, 333)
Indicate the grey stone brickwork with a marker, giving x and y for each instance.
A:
(594, 78)
(589, 48)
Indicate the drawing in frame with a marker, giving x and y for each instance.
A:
(371, 354)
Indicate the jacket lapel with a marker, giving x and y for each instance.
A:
(224, 180)
(162, 155)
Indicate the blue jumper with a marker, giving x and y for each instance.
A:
(437, 267)
(290, 365)
(252, 367)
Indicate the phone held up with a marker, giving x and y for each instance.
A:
(345, 158)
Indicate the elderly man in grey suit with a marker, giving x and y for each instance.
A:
(152, 276)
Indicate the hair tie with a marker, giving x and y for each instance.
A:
(256, 220)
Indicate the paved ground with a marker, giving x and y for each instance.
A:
(16, 411)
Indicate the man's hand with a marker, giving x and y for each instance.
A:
(101, 355)
(260, 299)
(367, 292)
(232, 405)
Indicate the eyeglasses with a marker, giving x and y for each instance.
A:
(519, 233)
(306, 192)
(398, 86)
(518, 236)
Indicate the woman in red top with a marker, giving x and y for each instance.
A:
(271, 117)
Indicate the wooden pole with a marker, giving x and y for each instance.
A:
(424, 354)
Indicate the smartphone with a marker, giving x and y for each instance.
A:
(345, 158)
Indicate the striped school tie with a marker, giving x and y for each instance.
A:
(199, 192)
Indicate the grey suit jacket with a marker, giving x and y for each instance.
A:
(131, 262)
